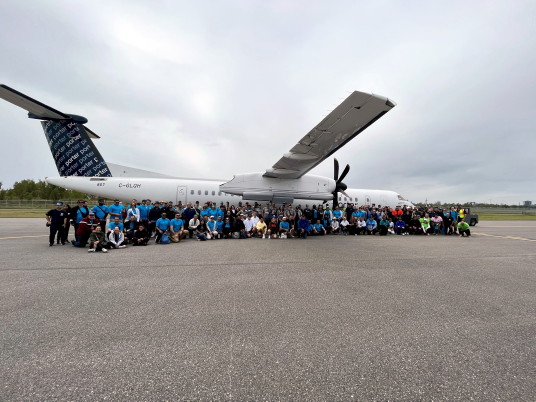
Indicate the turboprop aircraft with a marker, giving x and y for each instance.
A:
(81, 166)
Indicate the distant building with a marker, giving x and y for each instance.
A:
(527, 203)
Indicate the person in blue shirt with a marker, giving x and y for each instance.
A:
(162, 226)
(284, 228)
(115, 223)
(101, 212)
(303, 225)
(219, 226)
(144, 213)
(211, 229)
(80, 212)
(400, 227)
(116, 210)
(372, 226)
(318, 229)
(177, 229)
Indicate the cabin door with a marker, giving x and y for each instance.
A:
(181, 195)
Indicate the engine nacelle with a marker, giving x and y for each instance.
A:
(255, 186)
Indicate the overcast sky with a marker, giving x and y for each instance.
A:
(209, 89)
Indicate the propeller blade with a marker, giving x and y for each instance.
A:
(335, 199)
(344, 173)
(335, 169)
(346, 195)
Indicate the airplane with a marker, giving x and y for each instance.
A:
(81, 166)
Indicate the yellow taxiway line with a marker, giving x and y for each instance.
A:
(21, 237)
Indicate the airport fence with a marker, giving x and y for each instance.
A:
(504, 211)
(45, 204)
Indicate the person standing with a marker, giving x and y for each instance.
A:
(57, 222)
(101, 212)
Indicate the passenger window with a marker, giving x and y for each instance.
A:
(219, 192)
(345, 199)
(213, 193)
(192, 192)
(198, 192)
(206, 192)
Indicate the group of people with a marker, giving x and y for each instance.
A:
(114, 226)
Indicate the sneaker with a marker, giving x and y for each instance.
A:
(104, 250)
(263, 236)
(91, 250)
(122, 246)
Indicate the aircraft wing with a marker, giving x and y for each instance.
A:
(350, 118)
(31, 105)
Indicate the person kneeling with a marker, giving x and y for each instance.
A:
(97, 241)
(116, 238)
(463, 228)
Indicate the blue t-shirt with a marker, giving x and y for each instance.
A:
(115, 209)
(144, 212)
(284, 225)
(177, 224)
(81, 213)
(337, 213)
(163, 224)
(112, 225)
(100, 211)
(219, 226)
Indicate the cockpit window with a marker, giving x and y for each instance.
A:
(401, 198)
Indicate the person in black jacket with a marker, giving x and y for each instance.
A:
(155, 213)
(141, 236)
(239, 227)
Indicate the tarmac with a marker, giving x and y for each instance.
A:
(336, 318)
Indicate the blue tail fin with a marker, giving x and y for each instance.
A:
(72, 149)
(69, 140)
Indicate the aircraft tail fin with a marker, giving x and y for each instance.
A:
(69, 140)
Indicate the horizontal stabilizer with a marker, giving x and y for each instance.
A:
(31, 105)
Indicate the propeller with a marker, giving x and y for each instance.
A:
(340, 187)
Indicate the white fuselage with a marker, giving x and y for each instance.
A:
(309, 189)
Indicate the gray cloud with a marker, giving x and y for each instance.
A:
(214, 89)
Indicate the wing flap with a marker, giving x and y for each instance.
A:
(346, 121)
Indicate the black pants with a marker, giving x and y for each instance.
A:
(466, 232)
(54, 229)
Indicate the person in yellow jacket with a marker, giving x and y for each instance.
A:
(261, 228)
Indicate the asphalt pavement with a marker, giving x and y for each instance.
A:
(332, 318)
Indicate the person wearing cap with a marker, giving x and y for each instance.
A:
(57, 219)
(284, 228)
(212, 233)
(85, 228)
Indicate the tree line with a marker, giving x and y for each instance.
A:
(38, 190)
